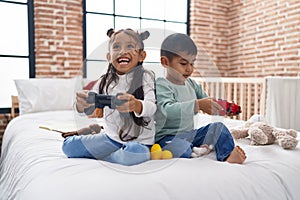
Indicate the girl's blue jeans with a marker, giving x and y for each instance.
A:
(101, 147)
(216, 134)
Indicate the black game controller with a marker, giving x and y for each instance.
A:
(102, 100)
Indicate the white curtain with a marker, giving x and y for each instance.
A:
(283, 102)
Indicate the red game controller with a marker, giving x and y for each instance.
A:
(229, 108)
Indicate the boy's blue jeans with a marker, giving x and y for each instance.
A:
(101, 147)
(216, 134)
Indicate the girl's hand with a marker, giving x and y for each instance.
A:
(132, 104)
(209, 106)
(81, 97)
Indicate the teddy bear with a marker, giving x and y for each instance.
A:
(262, 133)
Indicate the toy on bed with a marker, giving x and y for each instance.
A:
(229, 108)
(261, 133)
(156, 153)
(91, 129)
(204, 149)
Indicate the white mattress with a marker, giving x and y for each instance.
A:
(33, 166)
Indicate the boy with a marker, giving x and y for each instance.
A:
(179, 98)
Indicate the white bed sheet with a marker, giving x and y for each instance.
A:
(33, 167)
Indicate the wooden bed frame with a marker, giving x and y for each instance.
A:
(249, 93)
(14, 106)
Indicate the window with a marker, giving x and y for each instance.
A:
(16, 47)
(159, 17)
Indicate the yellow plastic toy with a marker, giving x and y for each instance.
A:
(156, 153)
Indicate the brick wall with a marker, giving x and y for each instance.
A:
(58, 38)
(209, 27)
(4, 119)
(247, 38)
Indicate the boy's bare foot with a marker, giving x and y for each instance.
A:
(237, 156)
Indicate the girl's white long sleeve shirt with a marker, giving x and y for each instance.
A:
(112, 119)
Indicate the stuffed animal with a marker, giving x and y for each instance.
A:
(91, 129)
(261, 133)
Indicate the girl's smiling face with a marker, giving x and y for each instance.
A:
(125, 53)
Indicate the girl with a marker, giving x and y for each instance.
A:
(129, 128)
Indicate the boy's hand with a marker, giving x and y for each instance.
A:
(209, 106)
(132, 104)
(81, 97)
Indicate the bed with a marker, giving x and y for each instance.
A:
(33, 166)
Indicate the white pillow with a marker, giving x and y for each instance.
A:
(46, 94)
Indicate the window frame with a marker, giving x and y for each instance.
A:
(84, 20)
(31, 55)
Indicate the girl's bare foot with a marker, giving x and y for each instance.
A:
(237, 156)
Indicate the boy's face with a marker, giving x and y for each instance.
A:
(179, 68)
(124, 53)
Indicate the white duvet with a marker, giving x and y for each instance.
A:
(33, 167)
